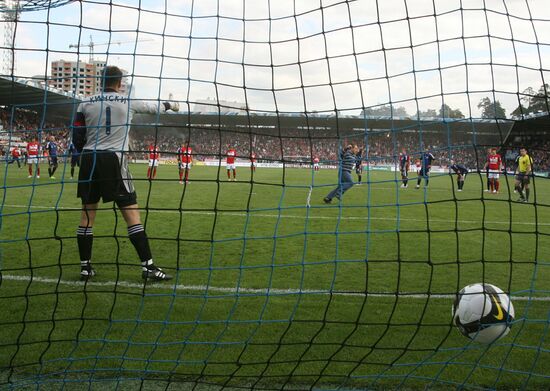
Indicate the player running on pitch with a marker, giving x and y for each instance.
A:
(230, 163)
(101, 134)
(461, 171)
(345, 181)
(185, 161)
(494, 167)
(404, 165)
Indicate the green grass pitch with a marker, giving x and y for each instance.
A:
(250, 305)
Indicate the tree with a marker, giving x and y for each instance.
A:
(539, 102)
(385, 111)
(430, 113)
(519, 111)
(491, 109)
(447, 112)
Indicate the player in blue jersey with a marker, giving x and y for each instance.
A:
(461, 171)
(51, 147)
(359, 165)
(75, 158)
(426, 160)
(404, 165)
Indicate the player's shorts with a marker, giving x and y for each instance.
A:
(53, 160)
(75, 160)
(523, 178)
(185, 166)
(424, 172)
(494, 174)
(230, 166)
(104, 175)
(153, 162)
(32, 160)
(315, 165)
(252, 164)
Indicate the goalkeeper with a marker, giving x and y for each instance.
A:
(101, 135)
(345, 181)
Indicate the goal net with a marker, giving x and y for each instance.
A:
(319, 197)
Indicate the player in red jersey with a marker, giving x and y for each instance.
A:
(230, 163)
(185, 161)
(494, 167)
(315, 163)
(33, 154)
(15, 155)
(253, 161)
(154, 155)
(488, 189)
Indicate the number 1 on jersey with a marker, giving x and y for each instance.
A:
(108, 120)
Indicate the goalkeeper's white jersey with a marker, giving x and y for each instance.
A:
(108, 117)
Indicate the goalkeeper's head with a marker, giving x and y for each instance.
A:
(112, 78)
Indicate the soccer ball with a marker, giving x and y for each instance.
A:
(483, 313)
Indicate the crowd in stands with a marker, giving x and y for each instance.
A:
(288, 145)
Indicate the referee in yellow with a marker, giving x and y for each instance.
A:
(523, 175)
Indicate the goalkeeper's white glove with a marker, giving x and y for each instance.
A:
(174, 106)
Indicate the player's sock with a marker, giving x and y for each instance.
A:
(181, 176)
(520, 191)
(228, 174)
(359, 178)
(154, 173)
(186, 175)
(149, 173)
(488, 184)
(50, 171)
(234, 175)
(427, 182)
(30, 170)
(53, 170)
(37, 171)
(497, 185)
(139, 239)
(72, 172)
(418, 181)
(527, 194)
(85, 240)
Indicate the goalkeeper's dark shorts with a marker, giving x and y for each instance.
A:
(104, 175)
(523, 178)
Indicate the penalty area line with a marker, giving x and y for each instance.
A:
(241, 290)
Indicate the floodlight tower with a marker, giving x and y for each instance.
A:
(10, 15)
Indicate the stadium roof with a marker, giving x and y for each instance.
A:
(29, 94)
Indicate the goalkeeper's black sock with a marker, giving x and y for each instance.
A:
(72, 172)
(418, 181)
(527, 194)
(49, 171)
(85, 240)
(139, 239)
(53, 170)
(427, 182)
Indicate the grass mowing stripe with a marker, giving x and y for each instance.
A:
(272, 215)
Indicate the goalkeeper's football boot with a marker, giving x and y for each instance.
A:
(155, 274)
(86, 273)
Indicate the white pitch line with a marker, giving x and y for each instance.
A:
(287, 216)
(241, 290)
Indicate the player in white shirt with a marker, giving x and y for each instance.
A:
(101, 131)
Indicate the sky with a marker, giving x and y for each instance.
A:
(305, 55)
